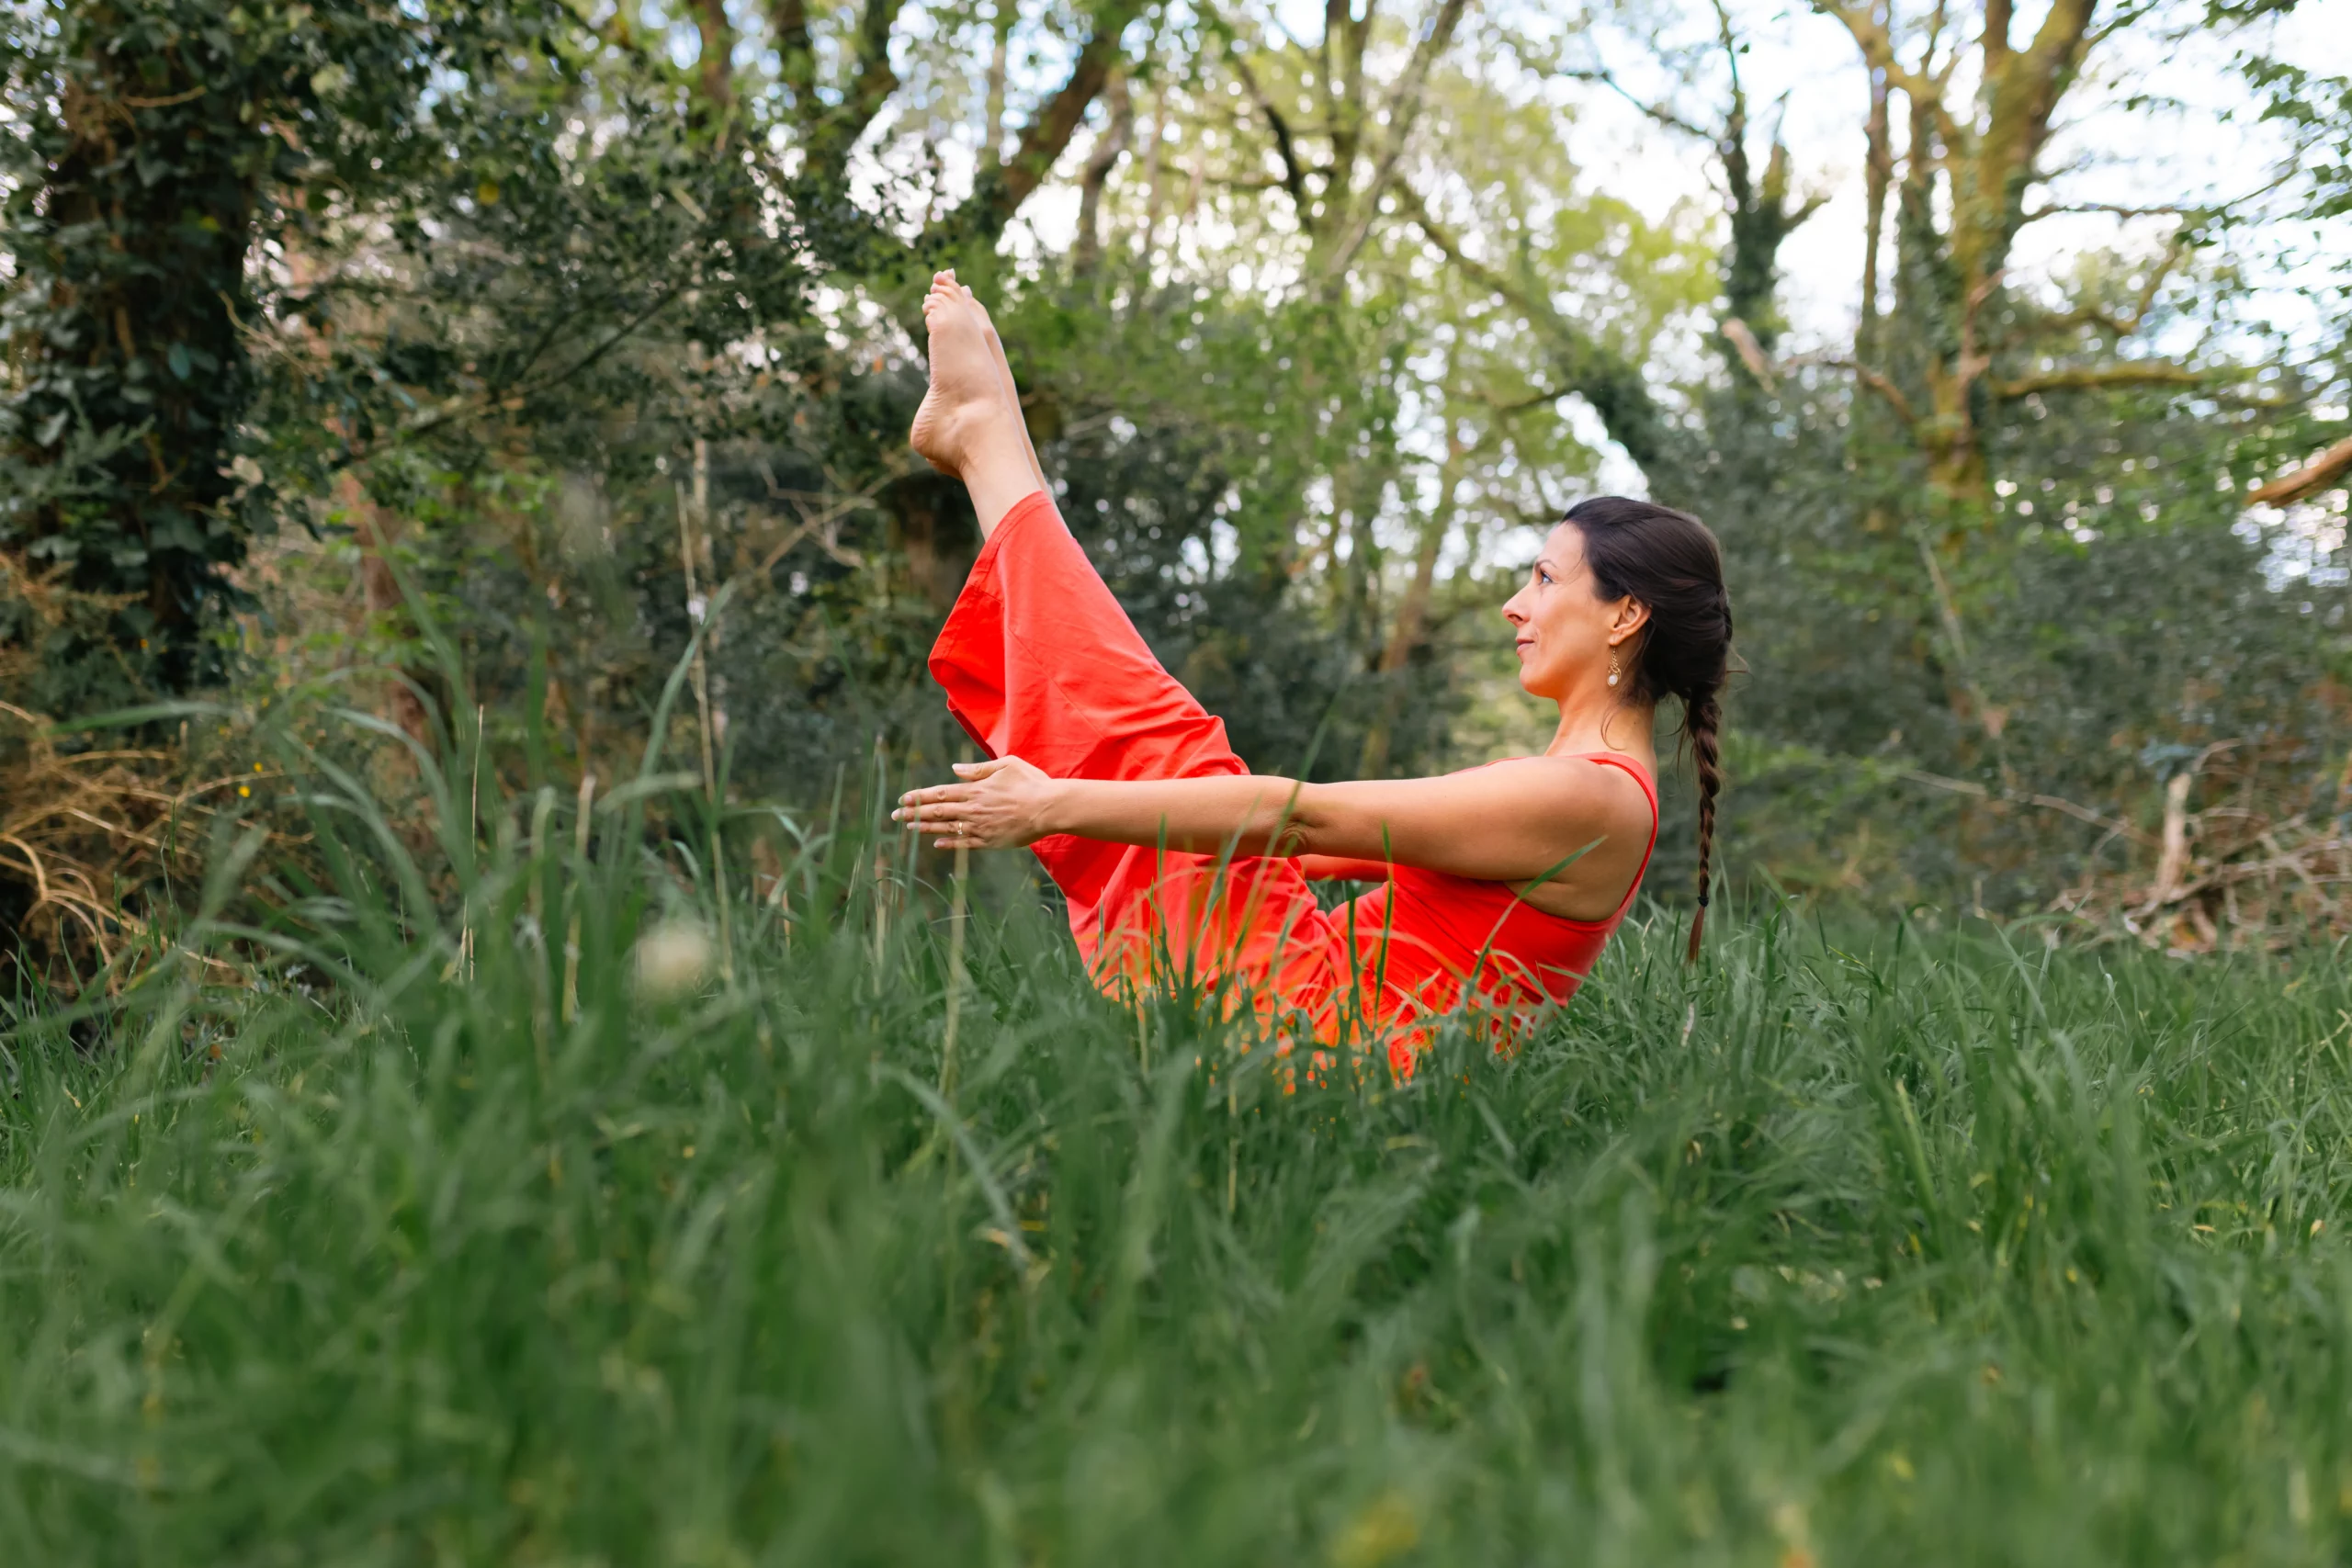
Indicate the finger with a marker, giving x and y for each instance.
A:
(972, 772)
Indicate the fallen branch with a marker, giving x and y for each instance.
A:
(2019, 797)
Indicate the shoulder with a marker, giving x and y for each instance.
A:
(1591, 782)
(1580, 768)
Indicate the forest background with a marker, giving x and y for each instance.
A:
(405, 372)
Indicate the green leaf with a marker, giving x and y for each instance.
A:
(177, 360)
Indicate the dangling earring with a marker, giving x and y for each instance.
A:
(1613, 670)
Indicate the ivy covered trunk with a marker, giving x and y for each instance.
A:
(126, 335)
(162, 140)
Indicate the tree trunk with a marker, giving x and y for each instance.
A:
(1878, 173)
(128, 300)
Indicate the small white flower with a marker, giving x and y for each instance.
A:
(671, 959)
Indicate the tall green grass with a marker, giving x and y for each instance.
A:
(447, 1237)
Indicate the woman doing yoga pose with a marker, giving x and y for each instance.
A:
(1502, 881)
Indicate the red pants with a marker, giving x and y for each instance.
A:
(1040, 662)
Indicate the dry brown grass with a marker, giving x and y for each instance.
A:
(93, 843)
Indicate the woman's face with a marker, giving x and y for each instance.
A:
(1563, 624)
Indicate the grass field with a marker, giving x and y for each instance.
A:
(1889, 1248)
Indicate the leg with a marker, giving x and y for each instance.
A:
(1038, 658)
(1039, 661)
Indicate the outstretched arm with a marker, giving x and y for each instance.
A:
(1517, 820)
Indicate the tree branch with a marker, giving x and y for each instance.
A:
(1876, 380)
(1590, 369)
(1751, 353)
(999, 192)
(2123, 326)
(1870, 36)
(2095, 377)
(2321, 473)
(2110, 209)
(2021, 91)
(832, 132)
(1403, 109)
(717, 57)
(1603, 76)
(1997, 34)
(1293, 179)
(2187, 214)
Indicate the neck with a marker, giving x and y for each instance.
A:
(1594, 718)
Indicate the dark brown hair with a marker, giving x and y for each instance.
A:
(1668, 562)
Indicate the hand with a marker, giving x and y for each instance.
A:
(1001, 805)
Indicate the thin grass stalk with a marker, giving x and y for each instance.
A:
(579, 860)
(958, 897)
(881, 857)
(464, 963)
(687, 516)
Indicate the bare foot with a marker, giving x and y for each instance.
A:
(969, 403)
(1011, 389)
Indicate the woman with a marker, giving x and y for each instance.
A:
(1505, 880)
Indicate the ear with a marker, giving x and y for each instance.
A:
(1630, 617)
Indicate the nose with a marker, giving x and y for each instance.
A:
(1512, 612)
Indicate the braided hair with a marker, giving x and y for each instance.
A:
(1668, 562)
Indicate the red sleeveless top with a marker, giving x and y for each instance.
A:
(1425, 936)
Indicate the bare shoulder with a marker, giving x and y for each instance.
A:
(1586, 783)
